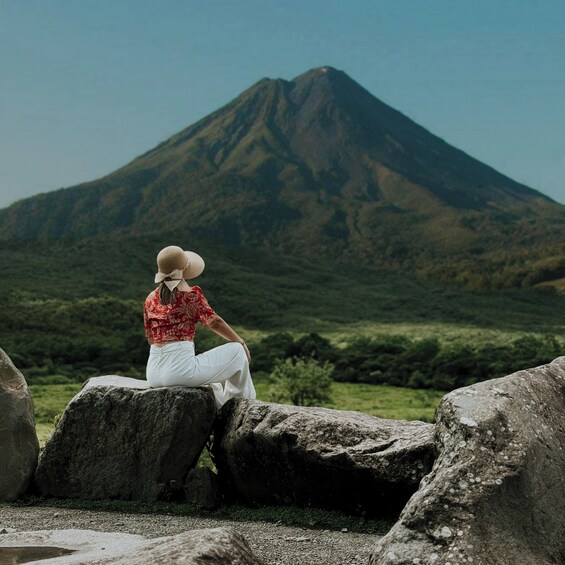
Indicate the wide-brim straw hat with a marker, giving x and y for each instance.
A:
(194, 267)
(174, 262)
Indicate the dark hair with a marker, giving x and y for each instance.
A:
(166, 296)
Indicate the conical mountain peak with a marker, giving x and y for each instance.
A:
(326, 81)
(316, 164)
(321, 73)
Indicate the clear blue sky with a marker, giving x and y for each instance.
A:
(87, 85)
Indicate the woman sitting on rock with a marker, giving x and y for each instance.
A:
(171, 313)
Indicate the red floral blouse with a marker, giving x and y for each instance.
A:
(176, 322)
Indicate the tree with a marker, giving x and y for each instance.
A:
(305, 382)
(313, 345)
(269, 350)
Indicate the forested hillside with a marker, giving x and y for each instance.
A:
(85, 316)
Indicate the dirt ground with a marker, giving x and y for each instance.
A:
(275, 544)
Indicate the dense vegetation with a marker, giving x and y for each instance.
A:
(378, 326)
(399, 361)
(393, 360)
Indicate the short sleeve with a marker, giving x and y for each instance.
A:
(206, 314)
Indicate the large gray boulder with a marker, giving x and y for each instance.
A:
(117, 438)
(278, 454)
(496, 494)
(217, 546)
(19, 446)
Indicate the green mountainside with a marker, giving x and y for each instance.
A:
(262, 290)
(317, 167)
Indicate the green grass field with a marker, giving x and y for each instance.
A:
(444, 333)
(383, 401)
(49, 401)
(391, 402)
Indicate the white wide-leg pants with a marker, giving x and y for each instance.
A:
(175, 364)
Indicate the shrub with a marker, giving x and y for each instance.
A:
(313, 345)
(305, 382)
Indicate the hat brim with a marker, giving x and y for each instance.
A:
(195, 265)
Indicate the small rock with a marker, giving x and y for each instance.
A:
(445, 532)
(468, 422)
(201, 488)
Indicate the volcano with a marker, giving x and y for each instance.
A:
(316, 166)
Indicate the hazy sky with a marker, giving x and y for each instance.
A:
(87, 85)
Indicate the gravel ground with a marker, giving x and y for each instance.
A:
(277, 545)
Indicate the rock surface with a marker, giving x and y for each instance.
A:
(117, 438)
(218, 546)
(201, 488)
(496, 494)
(279, 454)
(19, 446)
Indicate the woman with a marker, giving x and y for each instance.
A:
(171, 313)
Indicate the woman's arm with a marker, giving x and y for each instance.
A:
(223, 329)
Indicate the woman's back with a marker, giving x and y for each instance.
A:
(177, 321)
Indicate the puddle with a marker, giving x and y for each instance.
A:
(25, 554)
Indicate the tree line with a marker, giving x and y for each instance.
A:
(103, 335)
(417, 363)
